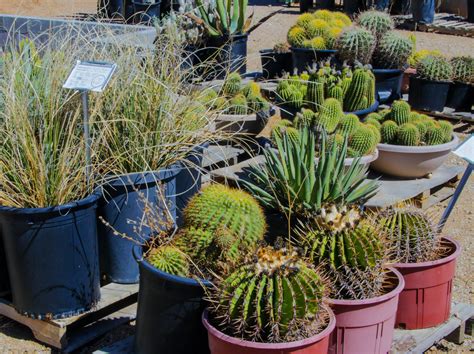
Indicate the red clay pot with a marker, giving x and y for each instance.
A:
(220, 343)
(426, 300)
(366, 326)
(406, 79)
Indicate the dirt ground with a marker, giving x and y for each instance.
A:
(18, 339)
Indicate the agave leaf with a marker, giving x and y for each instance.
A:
(224, 19)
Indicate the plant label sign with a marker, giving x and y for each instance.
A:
(90, 76)
(466, 150)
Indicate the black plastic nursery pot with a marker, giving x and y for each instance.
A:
(388, 84)
(122, 202)
(223, 54)
(4, 279)
(470, 11)
(146, 11)
(460, 97)
(169, 312)
(304, 57)
(423, 11)
(363, 112)
(52, 257)
(189, 180)
(427, 95)
(274, 64)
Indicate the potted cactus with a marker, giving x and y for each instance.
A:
(356, 44)
(429, 88)
(241, 108)
(461, 91)
(226, 26)
(362, 137)
(427, 262)
(412, 144)
(327, 223)
(276, 61)
(314, 36)
(273, 303)
(221, 226)
(391, 54)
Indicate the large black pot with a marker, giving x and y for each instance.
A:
(274, 64)
(121, 205)
(470, 11)
(168, 314)
(52, 257)
(189, 180)
(460, 97)
(423, 11)
(304, 57)
(4, 279)
(427, 95)
(222, 54)
(388, 84)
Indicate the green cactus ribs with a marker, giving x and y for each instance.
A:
(274, 298)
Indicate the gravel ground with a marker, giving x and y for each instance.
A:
(15, 338)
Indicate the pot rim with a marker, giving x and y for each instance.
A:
(237, 117)
(394, 292)
(310, 50)
(367, 110)
(62, 209)
(388, 71)
(420, 149)
(272, 346)
(427, 80)
(447, 259)
(170, 277)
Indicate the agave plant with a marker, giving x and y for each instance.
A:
(224, 18)
(292, 180)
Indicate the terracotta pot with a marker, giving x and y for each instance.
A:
(426, 300)
(406, 79)
(365, 326)
(412, 161)
(220, 343)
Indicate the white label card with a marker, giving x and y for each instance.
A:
(90, 76)
(466, 150)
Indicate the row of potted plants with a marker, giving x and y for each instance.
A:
(320, 281)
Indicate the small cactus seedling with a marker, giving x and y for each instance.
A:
(237, 105)
(281, 48)
(275, 298)
(232, 84)
(412, 233)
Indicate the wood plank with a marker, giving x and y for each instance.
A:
(417, 341)
(220, 154)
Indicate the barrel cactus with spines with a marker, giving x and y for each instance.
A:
(413, 235)
(434, 68)
(274, 298)
(257, 103)
(304, 19)
(337, 93)
(393, 51)
(373, 121)
(284, 127)
(317, 28)
(329, 115)
(316, 43)
(237, 105)
(377, 22)
(447, 129)
(400, 113)
(169, 259)
(357, 91)
(252, 88)
(337, 139)
(296, 36)
(363, 141)
(388, 132)
(422, 128)
(222, 218)
(463, 69)
(408, 135)
(413, 117)
(315, 92)
(304, 118)
(356, 44)
(348, 124)
(375, 116)
(434, 136)
(232, 84)
(377, 135)
(324, 15)
(343, 17)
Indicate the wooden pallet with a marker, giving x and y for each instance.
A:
(116, 307)
(423, 192)
(443, 23)
(453, 330)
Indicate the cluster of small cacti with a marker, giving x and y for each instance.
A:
(318, 30)
(401, 126)
(275, 297)
(463, 69)
(413, 235)
(353, 88)
(362, 137)
(221, 225)
(345, 239)
(236, 98)
(434, 68)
